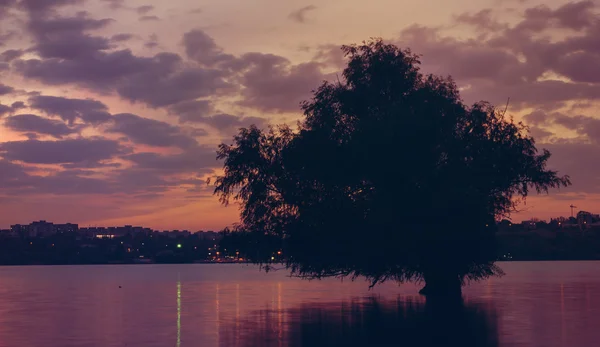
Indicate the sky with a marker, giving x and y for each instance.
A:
(111, 110)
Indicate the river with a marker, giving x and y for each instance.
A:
(547, 304)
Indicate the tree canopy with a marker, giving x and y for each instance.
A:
(389, 176)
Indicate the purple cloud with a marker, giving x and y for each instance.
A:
(191, 110)
(4, 89)
(509, 60)
(148, 18)
(17, 105)
(152, 41)
(203, 49)
(483, 19)
(61, 152)
(10, 55)
(29, 123)
(230, 123)
(278, 86)
(172, 83)
(299, 15)
(144, 9)
(197, 159)
(5, 6)
(121, 37)
(150, 132)
(4, 110)
(88, 110)
(114, 4)
(37, 7)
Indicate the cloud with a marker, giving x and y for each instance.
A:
(152, 41)
(517, 59)
(5, 37)
(114, 4)
(38, 8)
(230, 123)
(5, 6)
(483, 19)
(66, 37)
(272, 83)
(574, 159)
(89, 110)
(144, 9)
(159, 81)
(198, 159)
(101, 71)
(17, 105)
(121, 37)
(69, 183)
(4, 89)
(4, 110)
(69, 46)
(585, 126)
(11, 54)
(172, 83)
(203, 49)
(191, 110)
(62, 151)
(149, 131)
(15, 180)
(148, 18)
(90, 164)
(299, 15)
(44, 27)
(269, 82)
(36, 124)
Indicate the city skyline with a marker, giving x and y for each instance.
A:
(111, 111)
(82, 226)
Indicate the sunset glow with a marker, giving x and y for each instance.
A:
(111, 111)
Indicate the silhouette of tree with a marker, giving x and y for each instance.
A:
(368, 322)
(389, 176)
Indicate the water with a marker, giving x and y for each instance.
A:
(547, 304)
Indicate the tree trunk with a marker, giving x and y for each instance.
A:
(441, 285)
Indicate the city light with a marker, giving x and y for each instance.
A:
(179, 245)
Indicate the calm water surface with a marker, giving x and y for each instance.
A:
(546, 304)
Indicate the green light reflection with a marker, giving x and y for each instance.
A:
(178, 313)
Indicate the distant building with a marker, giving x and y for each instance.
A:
(8, 233)
(586, 219)
(529, 224)
(41, 229)
(67, 228)
(19, 229)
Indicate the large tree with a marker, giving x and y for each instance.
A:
(389, 176)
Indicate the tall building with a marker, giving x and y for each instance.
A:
(41, 229)
(66, 228)
(586, 219)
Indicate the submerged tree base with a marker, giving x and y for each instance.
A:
(442, 288)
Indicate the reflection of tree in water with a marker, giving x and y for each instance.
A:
(368, 322)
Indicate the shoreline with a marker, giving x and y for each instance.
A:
(251, 263)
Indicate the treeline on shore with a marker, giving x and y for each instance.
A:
(234, 247)
(70, 248)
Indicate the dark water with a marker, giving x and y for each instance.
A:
(546, 304)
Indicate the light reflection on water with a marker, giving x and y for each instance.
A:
(178, 313)
(550, 304)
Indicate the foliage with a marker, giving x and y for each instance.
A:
(389, 176)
